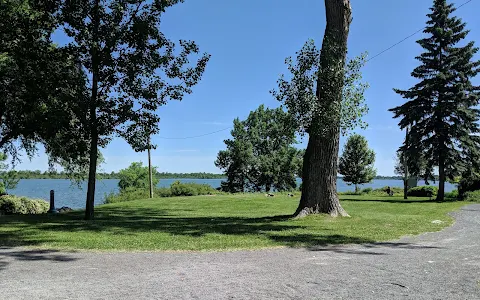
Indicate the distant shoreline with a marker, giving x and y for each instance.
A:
(195, 178)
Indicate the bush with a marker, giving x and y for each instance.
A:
(176, 189)
(163, 192)
(128, 194)
(423, 191)
(366, 190)
(183, 189)
(468, 184)
(383, 191)
(13, 205)
(473, 196)
(190, 189)
(452, 195)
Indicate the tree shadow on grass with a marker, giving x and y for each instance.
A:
(407, 201)
(129, 222)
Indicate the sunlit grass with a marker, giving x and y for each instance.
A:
(224, 222)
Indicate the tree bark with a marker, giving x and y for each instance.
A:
(441, 179)
(92, 171)
(319, 188)
(150, 179)
(405, 168)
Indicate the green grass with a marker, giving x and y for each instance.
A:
(224, 222)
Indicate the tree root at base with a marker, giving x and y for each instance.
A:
(337, 212)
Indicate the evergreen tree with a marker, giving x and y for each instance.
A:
(356, 162)
(441, 107)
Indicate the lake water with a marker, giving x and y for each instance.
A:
(72, 196)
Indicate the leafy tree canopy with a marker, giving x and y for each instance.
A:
(261, 156)
(136, 177)
(299, 95)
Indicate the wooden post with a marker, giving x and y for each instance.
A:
(52, 209)
(150, 169)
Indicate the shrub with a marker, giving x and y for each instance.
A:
(163, 192)
(176, 189)
(190, 189)
(423, 191)
(128, 194)
(13, 205)
(383, 191)
(452, 195)
(366, 190)
(183, 189)
(473, 196)
(468, 184)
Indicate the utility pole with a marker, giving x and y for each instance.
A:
(150, 168)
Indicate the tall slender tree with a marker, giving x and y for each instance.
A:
(325, 96)
(441, 108)
(132, 70)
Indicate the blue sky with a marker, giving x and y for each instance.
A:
(249, 41)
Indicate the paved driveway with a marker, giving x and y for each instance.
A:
(442, 265)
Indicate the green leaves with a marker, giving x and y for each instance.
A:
(8, 178)
(137, 69)
(299, 94)
(356, 162)
(260, 155)
(40, 84)
(136, 177)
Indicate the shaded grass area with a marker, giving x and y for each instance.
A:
(224, 222)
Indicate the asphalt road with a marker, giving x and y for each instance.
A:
(442, 265)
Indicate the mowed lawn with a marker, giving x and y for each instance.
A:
(224, 222)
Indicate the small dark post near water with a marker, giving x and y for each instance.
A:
(52, 209)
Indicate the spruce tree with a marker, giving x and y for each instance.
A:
(441, 108)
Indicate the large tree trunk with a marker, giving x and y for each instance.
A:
(319, 189)
(92, 171)
(441, 179)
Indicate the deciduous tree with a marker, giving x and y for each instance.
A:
(260, 156)
(325, 96)
(136, 177)
(356, 162)
(132, 70)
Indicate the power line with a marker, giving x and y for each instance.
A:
(192, 137)
(406, 38)
(375, 56)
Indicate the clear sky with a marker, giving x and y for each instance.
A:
(249, 41)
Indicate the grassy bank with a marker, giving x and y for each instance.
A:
(224, 222)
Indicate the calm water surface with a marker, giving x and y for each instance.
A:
(73, 196)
